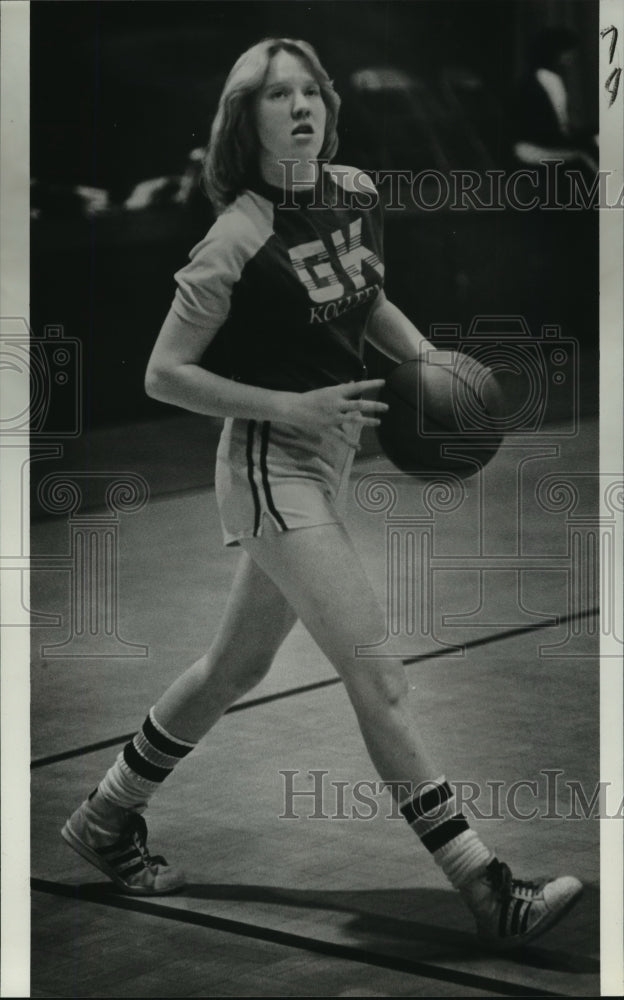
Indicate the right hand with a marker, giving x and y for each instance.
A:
(339, 410)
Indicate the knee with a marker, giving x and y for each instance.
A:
(382, 684)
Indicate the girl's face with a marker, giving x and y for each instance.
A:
(290, 112)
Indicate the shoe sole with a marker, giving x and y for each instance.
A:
(508, 944)
(94, 858)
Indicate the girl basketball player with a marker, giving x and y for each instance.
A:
(291, 277)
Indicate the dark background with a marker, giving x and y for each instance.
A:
(122, 91)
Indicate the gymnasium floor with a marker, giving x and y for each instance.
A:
(324, 906)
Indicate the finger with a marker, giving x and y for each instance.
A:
(363, 406)
(369, 422)
(350, 418)
(371, 406)
(348, 406)
(342, 436)
(358, 419)
(355, 388)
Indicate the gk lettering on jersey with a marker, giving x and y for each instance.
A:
(313, 265)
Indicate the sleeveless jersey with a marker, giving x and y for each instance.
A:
(287, 279)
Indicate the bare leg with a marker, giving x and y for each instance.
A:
(320, 571)
(256, 621)
(107, 828)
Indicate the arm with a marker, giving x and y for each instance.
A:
(390, 331)
(174, 376)
(201, 305)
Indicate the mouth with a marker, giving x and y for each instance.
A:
(303, 129)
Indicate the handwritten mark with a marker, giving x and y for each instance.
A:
(612, 84)
(614, 33)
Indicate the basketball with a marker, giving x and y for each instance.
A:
(446, 414)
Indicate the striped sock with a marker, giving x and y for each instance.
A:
(432, 814)
(143, 765)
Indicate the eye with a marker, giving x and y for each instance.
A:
(278, 92)
(313, 90)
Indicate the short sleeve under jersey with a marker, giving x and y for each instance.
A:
(287, 279)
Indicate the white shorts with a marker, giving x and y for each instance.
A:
(273, 470)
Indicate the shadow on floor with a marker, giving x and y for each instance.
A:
(383, 919)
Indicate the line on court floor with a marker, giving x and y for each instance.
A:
(305, 688)
(509, 634)
(115, 740)
(498, 986)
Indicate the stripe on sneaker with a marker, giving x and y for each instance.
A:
(525, 917)
(125, 856)
(137, 763)
(127, 863)
(251, 427)
(112, 849)
(444, 833)
(264, 470)
(132, 870)
(502, 922)
(164, 744)
(515, 916)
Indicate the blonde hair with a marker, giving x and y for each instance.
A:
(233, 151)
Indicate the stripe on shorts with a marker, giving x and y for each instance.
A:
(251, 427)
(264, 469)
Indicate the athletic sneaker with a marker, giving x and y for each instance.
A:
(510, 912)
(115, 841)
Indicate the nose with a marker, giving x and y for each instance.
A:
(301, 104)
